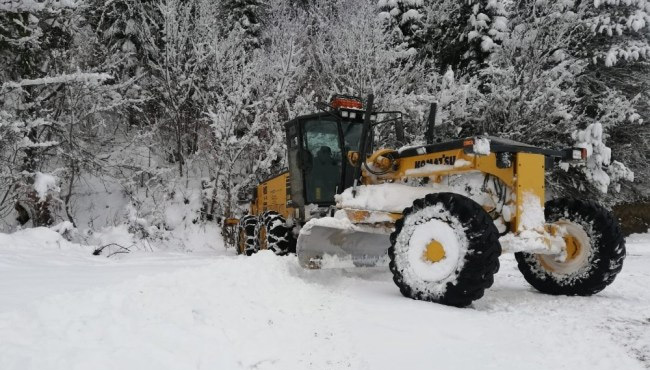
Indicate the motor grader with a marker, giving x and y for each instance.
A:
(439, 214)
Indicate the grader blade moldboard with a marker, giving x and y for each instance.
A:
(319, 243)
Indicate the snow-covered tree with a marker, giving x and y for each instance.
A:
(462, 34)
(245, 16)
(253, 93)
(539, 87)
(404, 21)
(181, 104)
(56, 99)
(33, 49)
(357, 57)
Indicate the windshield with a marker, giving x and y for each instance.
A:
(323, 152)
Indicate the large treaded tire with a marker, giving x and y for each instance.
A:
(246, 242)
(606, 251)
(477, 262)
(279, 236)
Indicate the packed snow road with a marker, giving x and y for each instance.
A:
(63, 309)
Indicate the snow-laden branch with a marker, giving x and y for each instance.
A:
(77, 77)
(600, 169)
(36, 6)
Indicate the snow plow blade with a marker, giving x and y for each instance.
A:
(327, 246)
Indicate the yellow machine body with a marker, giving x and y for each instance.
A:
(273, 194)
(524, 177)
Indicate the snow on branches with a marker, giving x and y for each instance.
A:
(600, 169)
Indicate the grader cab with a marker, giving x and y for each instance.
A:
(440, 214)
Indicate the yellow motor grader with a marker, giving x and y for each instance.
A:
(440, 214)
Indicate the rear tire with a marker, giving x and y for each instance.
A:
(468, 254)
(274, 234)
(246, 235)
(594, 263)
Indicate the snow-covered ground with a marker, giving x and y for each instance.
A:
(61, 308)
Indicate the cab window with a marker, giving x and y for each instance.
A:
(323, 152)
(351, 135)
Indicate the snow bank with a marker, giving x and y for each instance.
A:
(182, 209)
(113, 235)
(39, 238)
(191, 238)
(178, 311)
(203, 318)
(194, 238)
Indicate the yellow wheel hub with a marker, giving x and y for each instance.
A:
(572, 247)
(576, 247)
(434, 252)
(263, 241)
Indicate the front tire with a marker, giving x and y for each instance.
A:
(595, 251)
(444, 249)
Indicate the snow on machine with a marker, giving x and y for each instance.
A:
(440, 214)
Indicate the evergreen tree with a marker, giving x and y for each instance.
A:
(404, 21)
(462, 34)
(245, 16)
(34, 44)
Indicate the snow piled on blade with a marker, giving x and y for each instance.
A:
(339, 221)
(385, 197)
